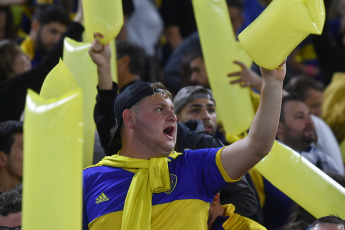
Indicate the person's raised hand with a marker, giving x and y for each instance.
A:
(278, 74)
(246, 77)
(100, 53)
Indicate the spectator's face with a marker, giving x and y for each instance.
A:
(15, 158)
(198, 75)
(326, 226)
(11, 220)
(153, 124)
(49, 34)
(21, 63)
(297, 126)
(314, 100)
(202, 109)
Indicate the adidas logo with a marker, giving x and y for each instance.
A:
(101, 198)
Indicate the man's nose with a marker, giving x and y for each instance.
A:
(172, 116)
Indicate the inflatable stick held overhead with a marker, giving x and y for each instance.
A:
(280, 28)
(102, 16)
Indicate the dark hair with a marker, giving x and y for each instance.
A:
(11, 201)
(10, 30)
(47, 13)
(137, 64)
(288, 98)
(7, 131)
(331, 219)
(8, 52)
(300, 85)
(185, 65)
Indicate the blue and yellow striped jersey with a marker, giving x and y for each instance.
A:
(195, 179)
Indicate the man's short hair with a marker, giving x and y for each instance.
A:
(131, 96)
(48, 13)
(7, 131)
(331, 219)
(300, 85)
(288, 98)
(11, 201)
(137, 64)
(188, 94)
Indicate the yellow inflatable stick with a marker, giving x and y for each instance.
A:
(102, 16)
(113, 61)
(78, 61)
(342, 149)
(220, 49)
(59, 81)
(303, 182)
(52, 194)
(280, 28)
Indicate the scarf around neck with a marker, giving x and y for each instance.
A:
(152, 176)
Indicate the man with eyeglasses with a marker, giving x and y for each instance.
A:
(11, 209)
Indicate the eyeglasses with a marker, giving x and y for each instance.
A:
(9, 228)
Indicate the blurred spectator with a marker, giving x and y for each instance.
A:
(334, 106)
(311, 92)
(48, 26)
(144, 26)
(11, 209)
(328, 223)
(16, 74)
(173, 67)
(224, 218)
(11, 154)
(131, 63)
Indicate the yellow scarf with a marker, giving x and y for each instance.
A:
(152, 176)
(237, 221)
(27, 47)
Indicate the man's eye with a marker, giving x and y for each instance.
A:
(159, 109)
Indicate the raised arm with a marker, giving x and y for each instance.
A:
(101, 56)
(239, 157)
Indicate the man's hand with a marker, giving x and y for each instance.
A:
(101, 56)
(247, 77)
(99, 53)
(277, 74)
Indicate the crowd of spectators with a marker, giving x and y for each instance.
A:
(159, 42)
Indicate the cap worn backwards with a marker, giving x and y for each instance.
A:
(125, 100)
(190, 93)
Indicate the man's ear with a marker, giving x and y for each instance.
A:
(35, 26)
(178, 117)
(3, 159)
(280, 129)
(128, 118)
(215, 200)
(124, 61)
